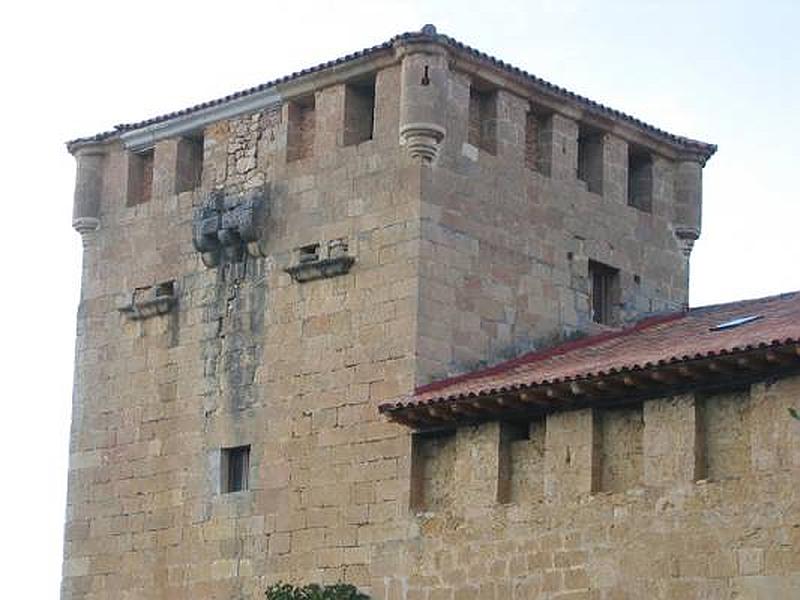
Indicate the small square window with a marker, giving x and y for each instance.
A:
(235, 469)
(604, 293)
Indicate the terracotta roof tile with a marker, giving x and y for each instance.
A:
(655, 341)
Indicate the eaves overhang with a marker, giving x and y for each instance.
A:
(675, 375)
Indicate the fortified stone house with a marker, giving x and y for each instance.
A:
(286, 295)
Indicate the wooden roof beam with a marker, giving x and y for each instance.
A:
(779, 358)
(533, 398)
(662, 377)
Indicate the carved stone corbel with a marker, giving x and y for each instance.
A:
(86, 227)
(422, 140)
(687, 236)
(225, 227)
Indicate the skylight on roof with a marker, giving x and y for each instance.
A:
(736, 322)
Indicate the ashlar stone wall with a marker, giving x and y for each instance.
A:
(506, 244)
(456, 260)
(676, 533)
(250, 357)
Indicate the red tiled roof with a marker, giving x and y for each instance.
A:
(428, 34)
(651, 343)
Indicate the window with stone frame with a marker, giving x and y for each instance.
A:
(604, 293)
(235, 469)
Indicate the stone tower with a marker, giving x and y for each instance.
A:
(261, 272)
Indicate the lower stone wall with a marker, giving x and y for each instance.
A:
(677, 498)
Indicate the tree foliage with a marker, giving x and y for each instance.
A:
(313, 591)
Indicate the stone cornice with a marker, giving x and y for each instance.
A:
(145, 137)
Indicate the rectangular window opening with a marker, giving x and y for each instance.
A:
(359, 111)
(189, 171)
(235, 469)
(590, 158)
(140, 177)
(538, 141)
(301, 129)
(482, 131)
(605, 292)
(640, 179)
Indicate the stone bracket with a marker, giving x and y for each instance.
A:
(225, 227)
(687, 236)
(422, 140)
(328, 267)
(149, 301)
(87, 227)
(313, 264)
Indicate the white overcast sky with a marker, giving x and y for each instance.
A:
(721, 71)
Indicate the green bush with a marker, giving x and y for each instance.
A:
(313, 591)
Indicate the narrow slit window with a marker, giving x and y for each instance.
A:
(640, 179)
(301, 129)
(189, 168)
(604, 281)
(235, 469)
(590, 158)
(359, 111)
(140, 177)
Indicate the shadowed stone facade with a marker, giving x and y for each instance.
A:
(342, 237)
